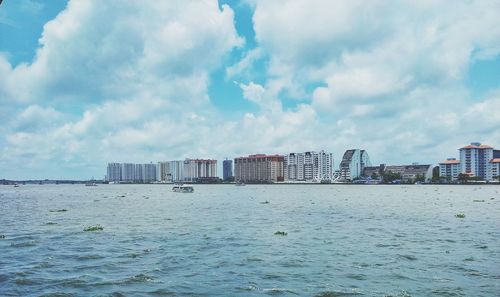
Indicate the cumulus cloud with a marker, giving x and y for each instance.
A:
(114, 81)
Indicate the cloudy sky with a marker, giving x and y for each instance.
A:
(83, 83)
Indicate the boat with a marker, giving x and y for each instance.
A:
(91, 183)
(16, 186)
(182, 189)
(239, 183)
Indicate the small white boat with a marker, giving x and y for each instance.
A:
(239, 183)
(91, 184)
(182, 189)
(16, 186)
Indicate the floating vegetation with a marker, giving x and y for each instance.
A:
(58, 210)
(51, 223)
(2, 236)
(282, 233)
(265, 202)
(93, 228)
(476, 200)
(460, 215)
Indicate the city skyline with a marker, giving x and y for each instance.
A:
(83, 85)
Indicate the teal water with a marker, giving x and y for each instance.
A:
(219, 241)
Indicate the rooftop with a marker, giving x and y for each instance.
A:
(450, 162)
(476, 145)
(496, 160)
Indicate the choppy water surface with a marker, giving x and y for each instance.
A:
(341, 240)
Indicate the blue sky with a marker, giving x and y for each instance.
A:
(83, 83)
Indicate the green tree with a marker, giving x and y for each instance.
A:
(420, 178)
(463, 178)
(389, 176)
(374, 175)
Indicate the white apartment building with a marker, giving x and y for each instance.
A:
(353, 164)
(450, 169)
(475, 160)
(308, 166)
(114, 172)
(494, 171)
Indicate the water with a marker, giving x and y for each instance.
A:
(219, 241)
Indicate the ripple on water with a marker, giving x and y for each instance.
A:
(337, 294)
(278, 291)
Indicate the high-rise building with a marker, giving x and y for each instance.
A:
(148, 173)
(353, 163)
(475, 160)
(163, 173)
(449, 169)
(114, 172)
(128, 172)
(259, 168)
(227, 169)
(308, 166)
(197, 169)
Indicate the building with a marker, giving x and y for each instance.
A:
(449, 169)
(227, 169)
(148, 173)
(353, 163)
(128, 172)
(163, 173)
(199, 169)
(475, 160)
(259, 168)
(308, 166)
(114, 172)
(409, 173)
(494, 171)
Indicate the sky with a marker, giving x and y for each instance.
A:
(84, 83)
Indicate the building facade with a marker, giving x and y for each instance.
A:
(199, 169)
(353, 163)
(449, 169)
(131, 173)
(227, 169)
(475, 160)
(308, 166)
(409, 173)
(494, 171)
(259, 168)
(114, 172)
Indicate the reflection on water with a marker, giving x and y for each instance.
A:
(338, 240)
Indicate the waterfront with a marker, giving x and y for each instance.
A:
(219, 240)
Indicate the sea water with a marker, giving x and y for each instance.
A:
(339, 240)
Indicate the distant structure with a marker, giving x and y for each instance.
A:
(477, 160)
(353, 163)
(188, 170)
(227, 169)
(114, 172)
(308, 166)
(449, 169)
(408, 173)
(131, 173)
(259, 168)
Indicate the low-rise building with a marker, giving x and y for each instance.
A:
(408, 173)
(449, 169)
(259, 168)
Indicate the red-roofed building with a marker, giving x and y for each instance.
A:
(495, 168)
(449, 169)
(475, 160)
